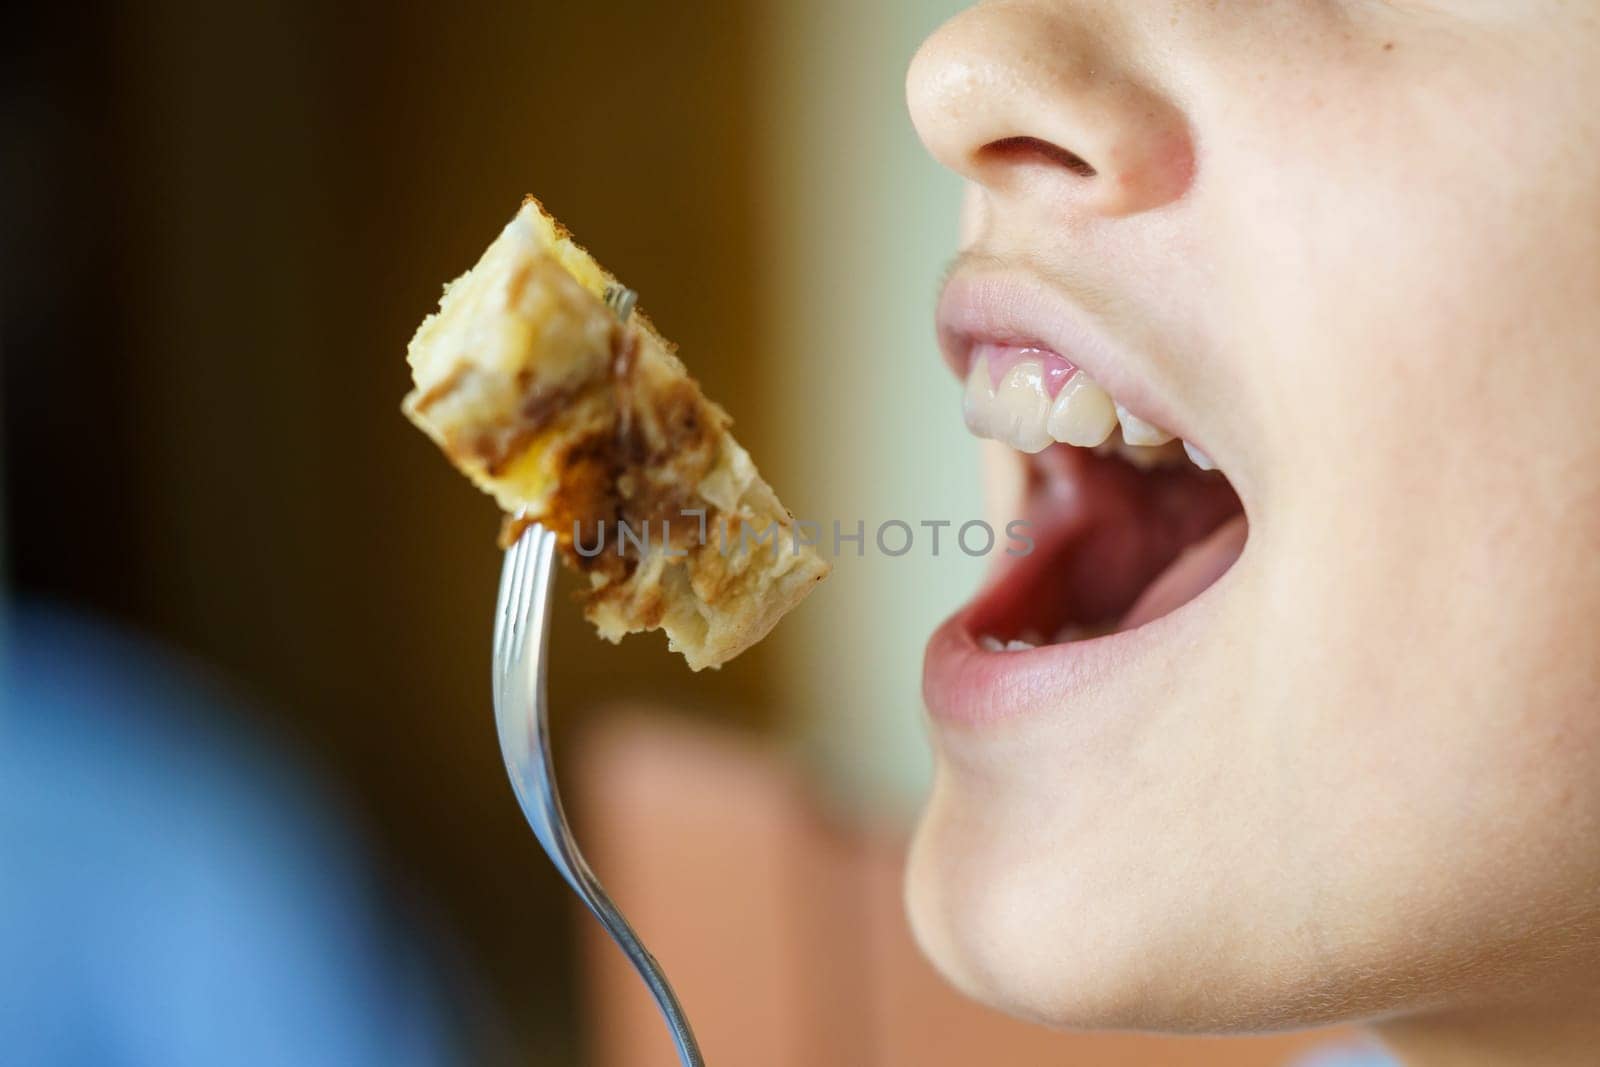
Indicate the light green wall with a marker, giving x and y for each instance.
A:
(863, 223)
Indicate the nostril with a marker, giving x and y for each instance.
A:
(1032, 149)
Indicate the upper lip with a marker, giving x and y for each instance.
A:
(1014, 306)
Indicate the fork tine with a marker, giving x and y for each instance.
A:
(521, 589)
(502, 612)
(620, 299)
(534, 610)
(505, 628)
(519, 593)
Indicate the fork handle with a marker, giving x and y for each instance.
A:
(622, 933)
(555, 834)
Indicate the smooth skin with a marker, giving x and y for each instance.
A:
(1357, 245)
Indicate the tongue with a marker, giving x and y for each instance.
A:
(1189, 575)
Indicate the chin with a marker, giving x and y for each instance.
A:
(1013, 932)
(1087, 937)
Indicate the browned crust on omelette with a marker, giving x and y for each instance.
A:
(581, 423)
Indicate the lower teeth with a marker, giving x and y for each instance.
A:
(1079, 632)
(1030, 640)
(994, 644)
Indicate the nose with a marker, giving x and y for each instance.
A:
(1025, 100)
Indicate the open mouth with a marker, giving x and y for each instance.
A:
(1120, 540)
(1128, 522)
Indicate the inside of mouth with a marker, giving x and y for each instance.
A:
(1116, 546)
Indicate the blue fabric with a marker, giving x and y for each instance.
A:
(1362, 1056)
(170, 892)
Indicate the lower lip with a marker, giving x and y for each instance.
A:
(967, 685)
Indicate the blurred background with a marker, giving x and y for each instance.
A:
(251, 804)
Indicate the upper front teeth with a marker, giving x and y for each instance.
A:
(1016, 412)
(1082, 414)
(1020, 412)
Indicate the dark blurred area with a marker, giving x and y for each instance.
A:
(223, 224)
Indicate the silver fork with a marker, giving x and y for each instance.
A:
(522, 716)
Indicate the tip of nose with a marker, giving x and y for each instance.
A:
(998, 92)
(942, 96)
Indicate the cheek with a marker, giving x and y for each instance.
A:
(1373, 244)
(1407, 302)
(1411, 302)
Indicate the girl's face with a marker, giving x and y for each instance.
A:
(1340, 756)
